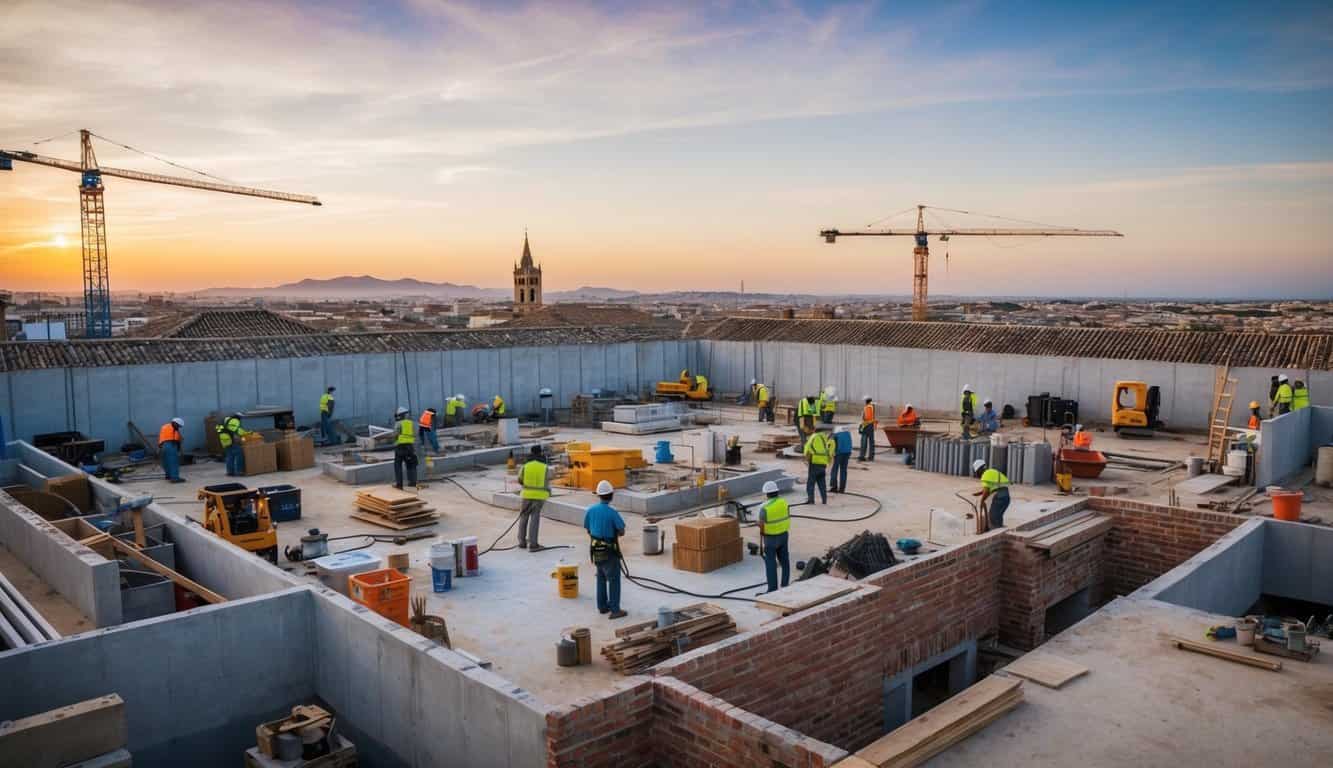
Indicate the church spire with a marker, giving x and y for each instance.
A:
(526, 262)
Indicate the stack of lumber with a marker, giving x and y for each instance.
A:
(1067, 533)
(945, 725)
(640, 646)
(772, 442)
(389, 507)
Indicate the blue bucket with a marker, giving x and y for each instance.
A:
(442, 580)
(663, 455)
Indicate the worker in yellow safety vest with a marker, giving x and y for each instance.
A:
(1300, 396)
(995, 487)
(805, 417)
(536, 490)
(818, 453)
(774, 523)
(701, 383)
(498, 407)
(867, 429)
(229, 435)
(453, 411)
(827, 405)
(765, 400)
(404, 449)
(968, 409)
(326, 404)
(1282, 399)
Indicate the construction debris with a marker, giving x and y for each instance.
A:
(773, 442)
(640, 646)
(858, 557)
(391, 508)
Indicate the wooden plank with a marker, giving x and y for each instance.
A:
(1068, 540)
(806, 594)
(1221, 653)
(160, 569)
(65, 735)
(852, 761)
(1050, 528)
(1045, 669)
(957, 718)
(391, 525)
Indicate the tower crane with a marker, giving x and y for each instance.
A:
(96, 280)
(921, 253)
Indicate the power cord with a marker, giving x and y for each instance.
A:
(493, 547)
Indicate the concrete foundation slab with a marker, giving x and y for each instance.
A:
(381, 472)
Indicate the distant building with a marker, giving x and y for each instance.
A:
(527, 281)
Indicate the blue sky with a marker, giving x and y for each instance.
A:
(714, 138)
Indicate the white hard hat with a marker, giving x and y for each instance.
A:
(978, 464)
(770, 487)
(178, 421)
(866, 398)
(1078, 427)
(401, 409)
(605, 488)
(909, 405)
(1282, 377)
(987, 402)
(753, 382)
(459, 396)
(967, 387)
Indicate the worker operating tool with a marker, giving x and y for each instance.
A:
(995, 488)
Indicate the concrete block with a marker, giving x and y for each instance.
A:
(66, 735)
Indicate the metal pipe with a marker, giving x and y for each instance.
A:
(32, 613)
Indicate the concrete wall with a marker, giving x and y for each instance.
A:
(100, 401)
(1226, 578)
(195, 684)
(933, 380)
(414, 704)
(1298, 561)
(1284, 447)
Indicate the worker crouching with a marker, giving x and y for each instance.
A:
(404, 450)
(995, 489)
(605, 527)
(169, 449)
(774, 525)
(536, 490)
(229, 436)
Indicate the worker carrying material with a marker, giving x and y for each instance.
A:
(1283, 397)
(995, 488)
(1255, 418)
(869, 423)
(774, 525)
(842, 454)
(404, 449)
(605, 526)
(536, 481)
(326, 404)
(1082, 438)
(818, 454)
(427, 425)
(169, 449)
(453, 410)
(805, 417)
(498, 410)
(988, 421)
(763, 397)
(968, 410)
(908, 417)
(827, 404)
(229, 435)
(1300, 396)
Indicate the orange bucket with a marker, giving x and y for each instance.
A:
(385, 592)
(1286, 505)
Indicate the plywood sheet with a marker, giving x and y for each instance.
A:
(1046, 669)
(1204, 484)
(806, 594)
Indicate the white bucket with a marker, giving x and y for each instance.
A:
(1235, 466)
(442, 556)
(1195, 464)
(1245, 632)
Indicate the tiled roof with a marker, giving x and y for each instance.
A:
(571, 314)
(29, 355)
(235, 324)
(1312, 351)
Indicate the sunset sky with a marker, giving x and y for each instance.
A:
(660, 146)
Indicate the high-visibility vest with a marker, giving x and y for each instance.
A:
(993, 480)
(828, 405)
(1254, 421)
(427, 419)
(1082, 439)
(168, 433)
(451, 407)
(969, 403)
(701, 383)
(326, 403)
(777, 517)
(908, 418)
(1284, 394)
(228, 429)
(533, 478)
(407, 432)
(817, 448)
(868, 414)
(498, 406)
(805, 408)
(1300, 398)
(762, 395)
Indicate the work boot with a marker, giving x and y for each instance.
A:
(535, 548)
(177, 479)
(617, 615)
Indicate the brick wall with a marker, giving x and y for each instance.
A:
(607, 731)
(693, 729)
(1034, 581)
(1150, 539)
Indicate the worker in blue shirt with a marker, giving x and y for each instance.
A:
(988, 421)
(605, 527)
(842, 454)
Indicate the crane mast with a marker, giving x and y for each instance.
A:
(921, 250)
(92, 218)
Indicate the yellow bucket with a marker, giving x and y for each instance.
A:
(566, 580)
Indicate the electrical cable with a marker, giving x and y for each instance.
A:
(53, 138)
(493, 547)
(162, 159)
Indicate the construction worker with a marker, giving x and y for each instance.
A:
(1082, 438)
(818, 453)
(701, 383)
(765, 401)
(828, 405)
(909, 417)
(498, 407)
(1300, 396)
(605, 526)
(774, 524)
(805, 417)
(427, 425)
(994, 486)
(1282, 399)
(536, 483)
(989, 421)
(968, 410)
(326, 417)
(229, 435)
(453, 411)
(842, 454)
(1255, 418)
(169, 449)
(867, 429)
(404, 449)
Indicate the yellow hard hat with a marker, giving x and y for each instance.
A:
(1254, 403)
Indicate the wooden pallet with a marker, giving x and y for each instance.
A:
(951, 722)
(772, 442)
(639, 646)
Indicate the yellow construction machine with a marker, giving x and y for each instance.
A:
(687, 387)
(240, 515)
(1134, 409)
